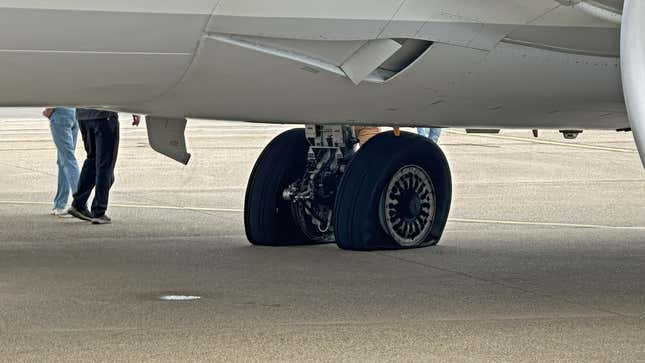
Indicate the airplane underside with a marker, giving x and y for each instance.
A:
(508, 64)
(330, 64)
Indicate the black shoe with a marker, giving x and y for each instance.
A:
(82, 214)
(102, 220)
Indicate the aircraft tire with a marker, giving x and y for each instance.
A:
(380, 170)
(268, 220)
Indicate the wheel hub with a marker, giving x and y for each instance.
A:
(408, 206)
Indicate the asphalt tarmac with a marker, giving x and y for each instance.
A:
(543, 260)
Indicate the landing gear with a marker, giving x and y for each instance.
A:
(313, 196)
(291, 192)
(312, 187)
(396, 194)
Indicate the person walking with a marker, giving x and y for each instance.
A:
(100, 132)
(64, 129)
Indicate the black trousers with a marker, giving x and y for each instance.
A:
(101, 139)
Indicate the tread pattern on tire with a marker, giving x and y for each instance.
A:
(268, 220)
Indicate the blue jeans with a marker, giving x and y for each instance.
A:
(430, 132)
(65, 133)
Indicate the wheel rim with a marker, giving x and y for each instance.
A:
(408, 206)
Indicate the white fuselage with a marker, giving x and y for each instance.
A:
(494, 63)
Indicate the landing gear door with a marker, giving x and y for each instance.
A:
(166, 136)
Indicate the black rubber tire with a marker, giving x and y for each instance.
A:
(356, 212)
(268, 220)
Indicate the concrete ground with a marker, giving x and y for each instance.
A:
(543, 260)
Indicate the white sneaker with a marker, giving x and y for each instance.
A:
(59, 212)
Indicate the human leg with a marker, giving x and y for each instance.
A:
(87, 177)
(66, 145)
(432, 133)
(72, 170)
(435, 134)
(423, 131)
(62, 191)
(107, 148)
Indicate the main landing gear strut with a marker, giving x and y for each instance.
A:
(311, 186)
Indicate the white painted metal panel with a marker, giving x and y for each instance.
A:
(570, 16)
(133, 52)
(322, 9)
(480, 24)
(369, 57)
(110, 53)
(139, 6)
(332, 52)
(633, 68)
(296, 19)
(166, 136)
(512, 12)
(513, 87)
(104, 31)
(69, 78)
